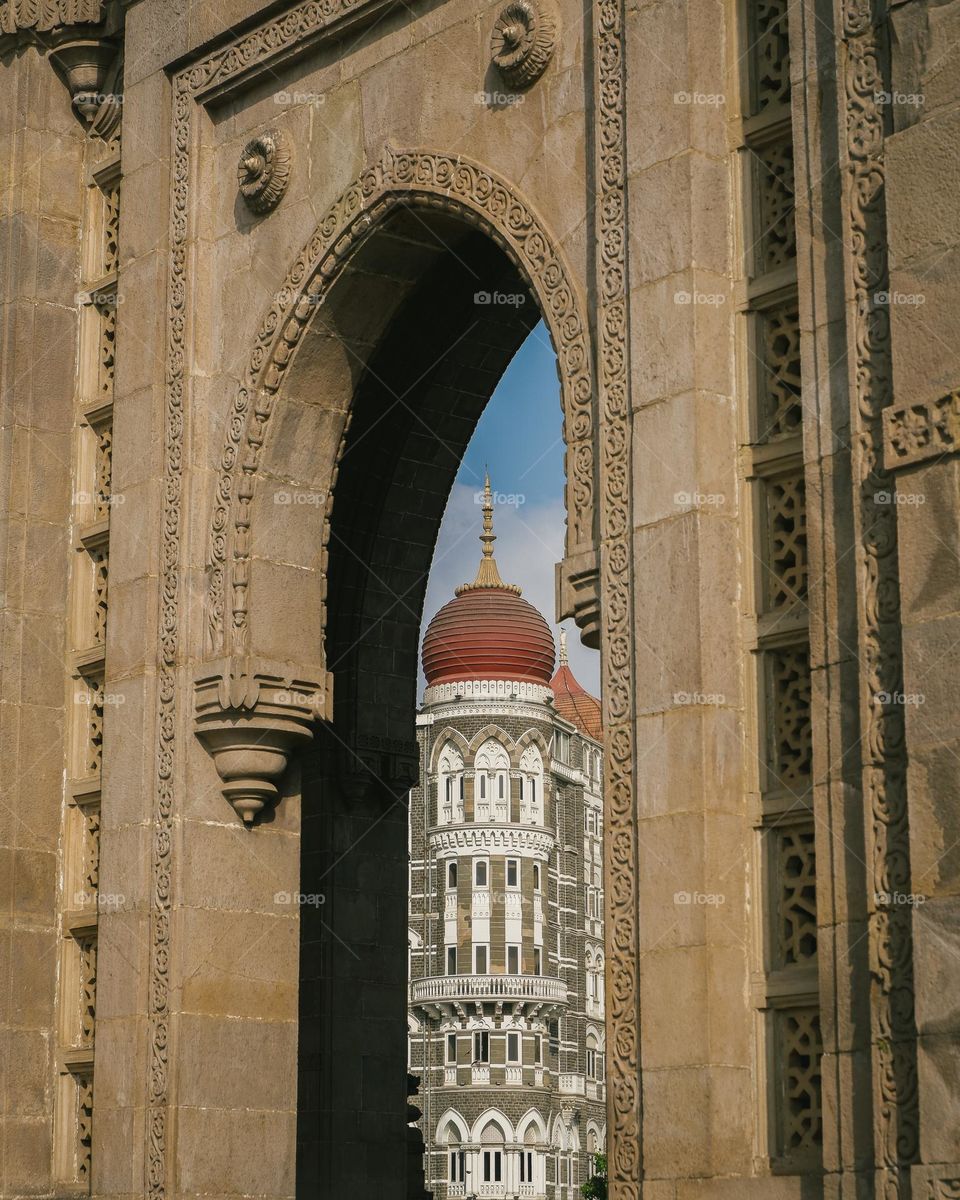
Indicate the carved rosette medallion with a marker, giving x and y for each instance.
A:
(524, 38)
(264, 171)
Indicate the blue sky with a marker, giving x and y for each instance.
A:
(518, 439)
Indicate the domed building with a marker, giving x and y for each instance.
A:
(506, 901)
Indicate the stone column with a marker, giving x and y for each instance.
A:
(41, 148)
(921, 440)
(695, 1052)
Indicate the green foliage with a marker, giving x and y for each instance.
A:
(596, 1186)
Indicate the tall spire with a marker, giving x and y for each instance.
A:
(564, 660)
(488, 574)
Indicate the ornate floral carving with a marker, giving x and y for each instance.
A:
(159, 983)
(944, 1189)
(523, 40)
(45, 15)
(401, 177)
(866, 80)
(616, 531)
(264, 171)
(914, 432)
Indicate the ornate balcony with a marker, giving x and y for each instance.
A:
(448, 995)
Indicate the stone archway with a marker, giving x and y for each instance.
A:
(411, 178)
(380, 300)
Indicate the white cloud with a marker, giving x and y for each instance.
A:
(529, 543)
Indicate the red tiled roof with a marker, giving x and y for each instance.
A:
(575, 704)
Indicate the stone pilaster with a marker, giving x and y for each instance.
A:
(921, 440)
(41, 146)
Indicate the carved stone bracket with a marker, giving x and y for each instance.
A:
(251, 716)
(578, 595)
(82, 38)
(914, 432)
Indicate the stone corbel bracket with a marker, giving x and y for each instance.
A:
(578, 595)
(251, 716)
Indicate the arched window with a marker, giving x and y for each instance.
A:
(491, 1154)
(456, 1155)
(531, 770)
(491, 791)
(595, 1062)
(450, 786)
(592, 1050)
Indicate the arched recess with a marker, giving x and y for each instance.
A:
(452, 1128)
(492, 1124)
(369, 374)
(453, 191)
(531, 1128)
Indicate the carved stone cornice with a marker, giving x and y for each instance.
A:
(915, 432)
(251, 716)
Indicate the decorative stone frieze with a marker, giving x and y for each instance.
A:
(523, 41)
(264, 171)
(915, 432)
(45, 15)
(468, 839)
(251, 717)
(485, 689)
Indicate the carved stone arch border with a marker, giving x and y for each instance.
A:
(530, 737)
(401, 177)
(490, 733)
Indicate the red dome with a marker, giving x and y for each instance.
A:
(488, 633)
(575, 704)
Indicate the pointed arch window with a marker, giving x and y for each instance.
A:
(450, 786)
(491, 770)
(531, 771)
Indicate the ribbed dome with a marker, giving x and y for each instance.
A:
(488, 631)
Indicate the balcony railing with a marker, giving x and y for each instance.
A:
(573, 1085)
(488, 987)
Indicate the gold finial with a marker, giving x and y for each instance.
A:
(564, 661)
(488, 574)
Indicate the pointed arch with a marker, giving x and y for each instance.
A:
(492, 755)
(451, 1122)
(448, 736)
(492, 1119)
(400, 178)
(491, 733)
(532, 1122)
(595, 1140)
